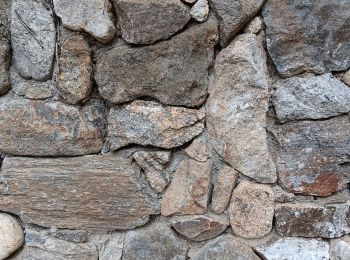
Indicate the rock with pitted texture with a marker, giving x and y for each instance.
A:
(310, 36)
(314, 156)
(313, 220)
(11, 235)
(175, 71)
(95, 193)
(147, 21)
(255, 25)
(110, 246)
(5, 20)
(198, 149)
(33, 37)
(5, 60)
(39, 128)
(340, 248)
(92, 16)
(237, 106)
(150, 123)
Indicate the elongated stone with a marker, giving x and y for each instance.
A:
(95, 193)
(5, 60)
(5, 20)
(12, 236)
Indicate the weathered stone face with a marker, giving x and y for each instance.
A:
(200, 10)
(5, 20)
(12, 236)
(340, 248)
(33, 38)
(96, 193)
(175, 71)
(5, 60)
(310, 35)
(198, 149)
(237, 106)
(147, 21)
(312, 220)
(314, 156)
(39, 128)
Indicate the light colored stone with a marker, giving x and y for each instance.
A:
(96, 193)
(254, 26)
(150, 123)
(92, 16)
(237, 106)
(198, 149)
(340, 248)
(189, 1)
(200, 10)
(223, 188)
(33, 38)
(175, 71)
(346, 78)
(188, 193)
(313, 97)
(294, 249)
(5, 60)
(11, 235)
(110, 246)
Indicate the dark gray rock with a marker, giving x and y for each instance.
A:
(5, 60)
(5, 20)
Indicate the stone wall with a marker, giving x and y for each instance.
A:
(168, 129)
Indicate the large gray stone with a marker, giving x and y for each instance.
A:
(11, 235)
(33, 38)
(309, 36)
(96, 193)
(314, 97)
(174, 72)
(237, 106)
(5, 60)
(340, 248)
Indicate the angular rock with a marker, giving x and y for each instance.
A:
(251, 210)
(11, 237)
(314, 156)
(5, 20)
(236, 109)
(294, 249)
(153, 164)
(110, 246)
(225, 247)
(200, 227)
(346, 78)
(340, 248)
(233, 15)
(200, 10)
(314, 97)
(254, 26)
(310, 35)
(75, 70)
(313, 220)
(92, 16)
(147, 21)
(175, 71)
(281, 195)
(39, 128)
(150, 123)
(198, 149)
(157, 241)
(33, 38)
(188, 193)
(223, 188)
(96, 193)
(76, 236)
(5, 60)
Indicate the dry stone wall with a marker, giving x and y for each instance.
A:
(174, 129)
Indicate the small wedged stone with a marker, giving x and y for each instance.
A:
(92, 16)
(150, 123)
(340, 248)
(313, 220)
(74, 80)
(94, 193)
(33, 38)
(254, 26)
(198, 149)
(346, 77)
(314, 97)
(188, 193)
(11, 235)
(147, 21)
(39, 128)
(5, 60)
(251, 210)
(233, 15)
(174, 72)
(110, 246)
(200, 10)
(236, 109)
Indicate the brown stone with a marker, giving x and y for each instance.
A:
(96, 193)
(198, 149)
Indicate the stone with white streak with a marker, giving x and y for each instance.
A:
(11, 235)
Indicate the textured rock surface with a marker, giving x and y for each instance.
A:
(5, 60)
(75, 70)
(312, 220)
(340, 249)
(346, 78)
(314, 156)
(92, 16)
(110, 246)
(5, 20)
(198, 149)
(309, 36)
(200, 10)
(150, 123)
(251, 210)
(254, 26)
(41, 128)
(236, 109)
(312, 97)
(174, 72)
(233, 15)
(223, 187)
(11, 237)
(147, 21)
(157, 241)
(294, 249)
(188, 193)
(33, 38)
(97, 193)
(225, 247)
